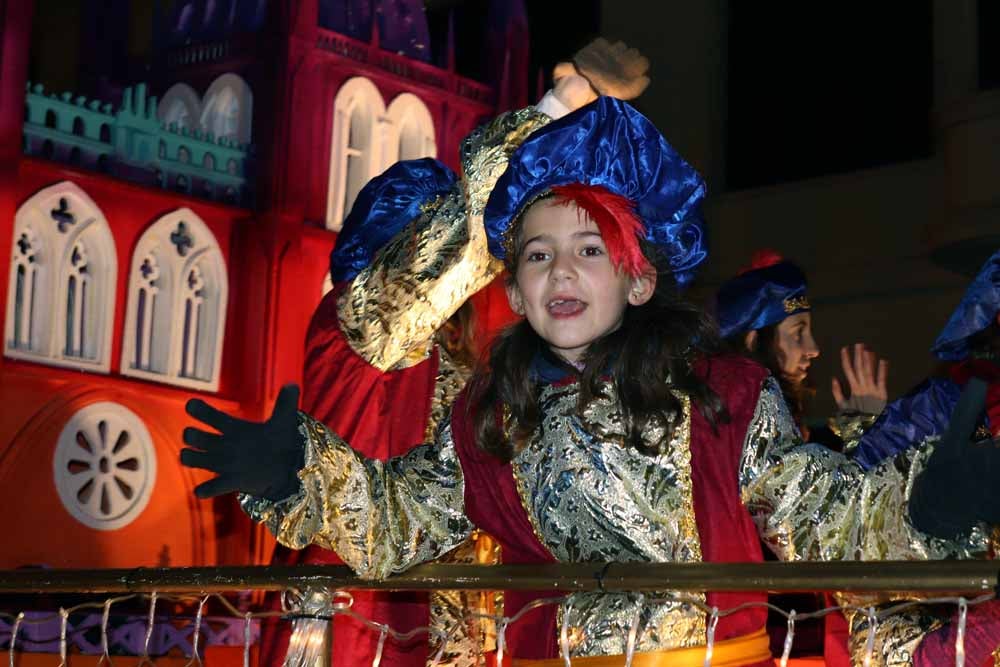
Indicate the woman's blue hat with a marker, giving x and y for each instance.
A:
(976, 311)
(761, 297)
(385, 205)
(607, 143)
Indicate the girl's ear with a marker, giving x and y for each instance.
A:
(750, 340)
(514, 297)
(642, 288)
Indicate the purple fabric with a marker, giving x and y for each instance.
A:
(39, 633)
(982, 637)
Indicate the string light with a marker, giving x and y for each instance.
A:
(870, 642)
(63, 623)
(105, 620)
(633, 631)
(195, 656)
(247, 620)
(713, 621)
(963, 612)
(381, 645)
(343, 602)
(13, 635)
(789, 638)
(502, 637)
(564, 632)
(149, 630)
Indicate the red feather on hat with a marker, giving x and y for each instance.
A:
(616, 220)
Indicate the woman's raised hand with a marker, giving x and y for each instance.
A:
(866, 379)
(258, 458)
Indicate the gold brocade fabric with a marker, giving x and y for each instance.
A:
(850, 426)
(896, 637)
(591, 498)
(810, 503)
(425, 273)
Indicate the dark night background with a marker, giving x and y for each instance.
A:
(825, 130)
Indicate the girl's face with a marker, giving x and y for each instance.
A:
(565, 284)
(795, 346)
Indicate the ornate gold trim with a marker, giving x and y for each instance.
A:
(794, 303)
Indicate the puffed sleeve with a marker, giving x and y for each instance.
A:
(810, 503)
(422, 276)
(380, 517)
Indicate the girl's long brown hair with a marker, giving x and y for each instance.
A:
(648, 358)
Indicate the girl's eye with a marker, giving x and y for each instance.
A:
(592, 251)
(537, 256)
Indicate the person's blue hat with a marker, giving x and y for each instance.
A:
(761, 297)
(976, 311)
(385, 205)
(608, 144)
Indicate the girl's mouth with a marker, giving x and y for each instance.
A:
(564, 308)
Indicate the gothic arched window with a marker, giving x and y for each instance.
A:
(60, 300)
(177, 295)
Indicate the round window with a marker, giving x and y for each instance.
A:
(105, 466)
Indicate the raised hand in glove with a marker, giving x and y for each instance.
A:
(258, 458)
(614, 70)
(959, 487)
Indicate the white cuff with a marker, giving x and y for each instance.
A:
(551, 106)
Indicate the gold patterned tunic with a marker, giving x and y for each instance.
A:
(590, 498)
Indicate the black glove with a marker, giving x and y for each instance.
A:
(959, 487)
(261, 459)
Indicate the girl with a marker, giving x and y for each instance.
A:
(604, 428)
(765, 313)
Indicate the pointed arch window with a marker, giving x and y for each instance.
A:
(178, 291)
(60, 300)
(355, 147)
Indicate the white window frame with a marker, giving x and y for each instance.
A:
(408, 112)
(163, 341)
(89, 234)
(356, 94)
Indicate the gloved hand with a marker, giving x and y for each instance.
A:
(614, 70)
(261, 459)
(959, 487)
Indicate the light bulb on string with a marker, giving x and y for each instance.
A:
(870, 642)
(633, 631)
(963, 613)
(789, 638)
(564, 632)
(196, 635)
(247, 620)
(105, 620)
(713, 621)
(63, 623)
(383, 633)
(13, 635)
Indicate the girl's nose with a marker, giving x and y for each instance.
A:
(562, 267)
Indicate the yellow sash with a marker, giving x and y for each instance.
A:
(743, 650)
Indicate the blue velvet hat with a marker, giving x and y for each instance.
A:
(761, 297)
(607, 143)
(385, 205)
(976, 311)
